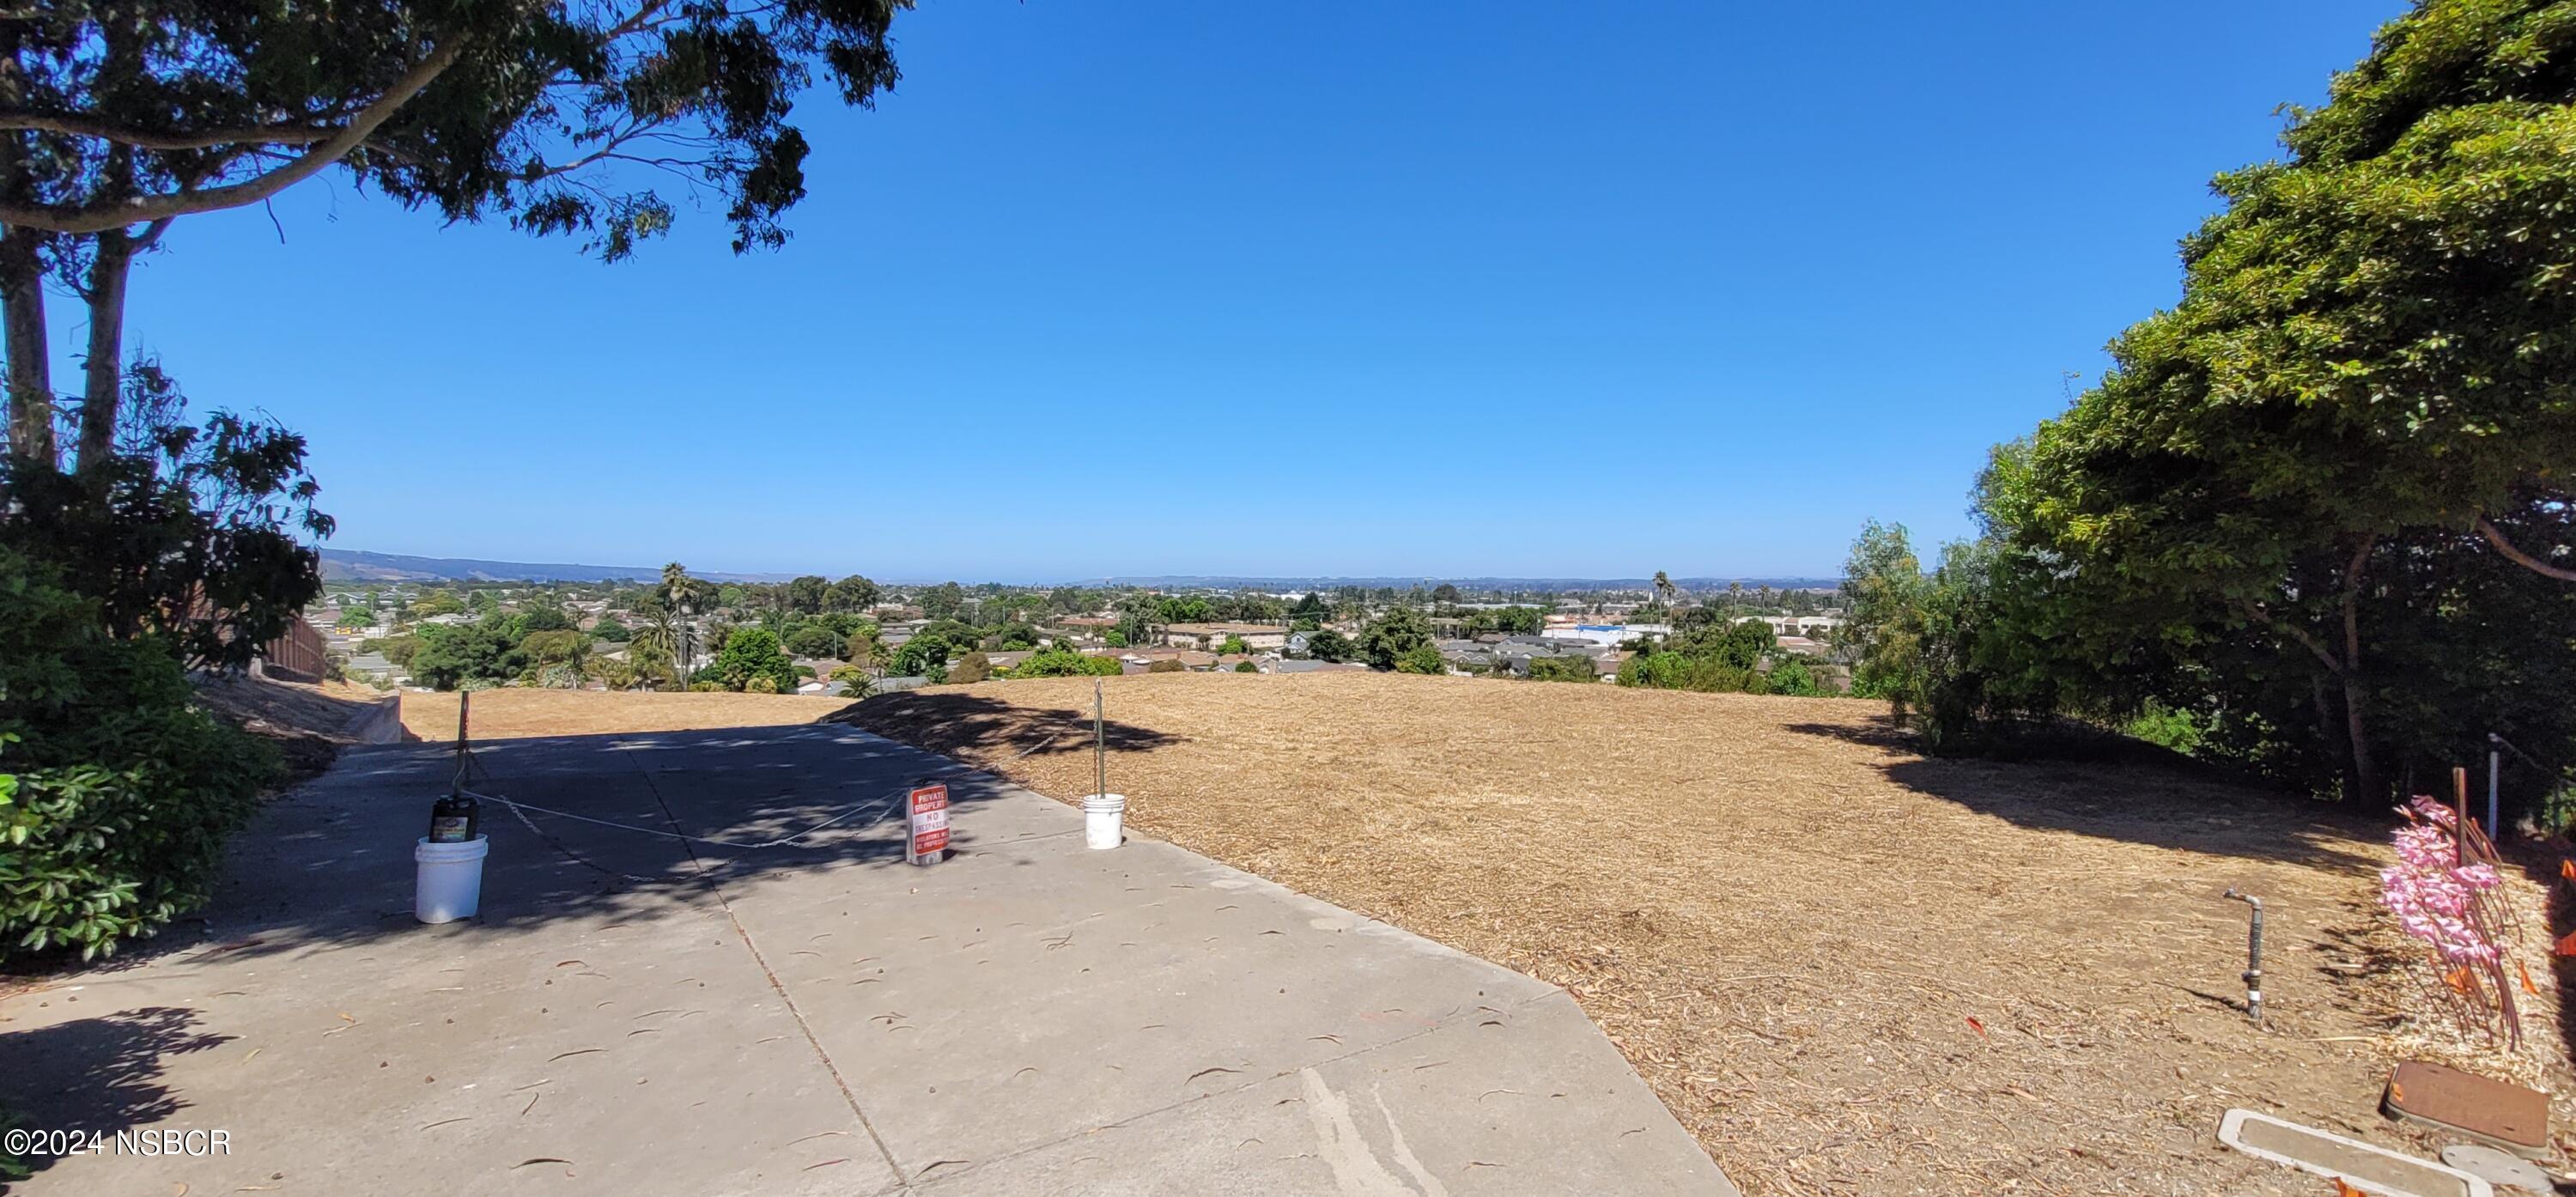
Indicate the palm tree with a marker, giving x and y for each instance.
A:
(1665, 591)
(659, 636)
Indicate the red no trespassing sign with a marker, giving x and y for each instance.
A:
(927, 839)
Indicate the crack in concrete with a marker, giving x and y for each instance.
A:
(902, 1179)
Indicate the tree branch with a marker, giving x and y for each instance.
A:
(2495, 536)
(2306, 638)
(73, 124)
(99, 217)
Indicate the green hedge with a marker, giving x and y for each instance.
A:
(119, 792)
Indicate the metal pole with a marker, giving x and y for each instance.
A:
(2460, 811)
(464, 700)
(2253, 956)
(2495, 766)
(1099, 741)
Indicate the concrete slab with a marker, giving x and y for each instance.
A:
(2503, 1169)
(2357, 1165)
(660, 1016)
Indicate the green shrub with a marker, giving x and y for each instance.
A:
(1679, 671)
(753, 653)
(1421, 658)
(1563, 669)
(2166, 726)
(1059, 661)
(1246, 667)
(1789, 675)
(120, 791)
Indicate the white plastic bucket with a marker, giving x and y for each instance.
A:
(450, 884)
(1101, 816)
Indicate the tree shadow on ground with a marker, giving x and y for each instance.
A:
(329, 864)
(2112, 787)
(113, 1065)
(2542, 863)
(982, 728)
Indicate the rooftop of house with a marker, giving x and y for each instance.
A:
(1225, 629)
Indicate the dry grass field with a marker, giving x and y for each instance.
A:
(1846, 967)
(513, 713)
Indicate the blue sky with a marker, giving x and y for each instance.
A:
(1430, 289)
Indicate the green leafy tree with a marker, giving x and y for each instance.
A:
(1386, 639)
(557, 659)
(1233, 645)
(807, 595)
(1135, 628)
(1421, 658)
(2362, 393)
(1012, 636)
(561, 118)
(1791, 676)
(1060, 661)
(751, 654)
(943, 601)
(1329, 645)
(853, 594)
(483, 653)
(925, 655)
(612, 630)
(974, 666)
(1563, 669)
(437, 602)
(117, 791)
(1882, 593)
(195, 533)
(814, 640)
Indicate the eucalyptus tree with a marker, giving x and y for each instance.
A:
(590, 118)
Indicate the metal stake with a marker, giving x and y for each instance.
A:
(1099, 742)
(2253, 957)
(464, 700)
(2495, 766)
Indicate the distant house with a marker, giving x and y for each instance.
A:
(1009, 659)
(1210, 635)
(1516, 652)
(1472, 656)
(1315, 666)
(1140, 659)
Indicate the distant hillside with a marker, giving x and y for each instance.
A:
(352, 565)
